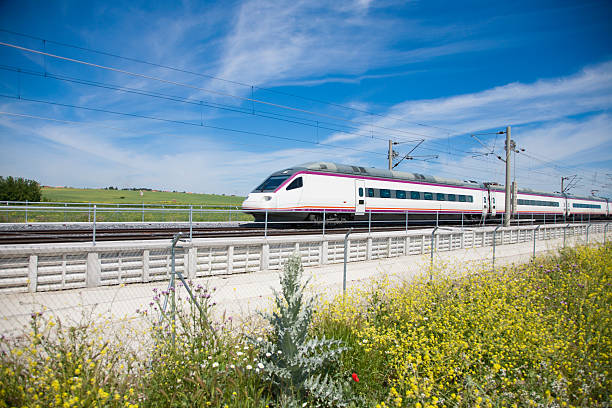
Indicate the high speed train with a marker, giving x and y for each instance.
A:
(342, 192)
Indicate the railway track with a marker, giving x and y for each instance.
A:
(63, 235)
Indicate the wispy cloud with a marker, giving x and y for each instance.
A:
(276, 43)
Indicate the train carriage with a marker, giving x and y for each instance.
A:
(343, 192)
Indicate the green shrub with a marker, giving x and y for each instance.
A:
(19, 189)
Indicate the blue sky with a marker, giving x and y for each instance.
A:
(262, 86)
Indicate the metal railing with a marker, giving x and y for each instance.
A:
(33, 212)
(29, 212)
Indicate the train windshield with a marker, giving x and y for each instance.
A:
(271, 183)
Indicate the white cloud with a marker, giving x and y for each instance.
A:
(516, 103)
(276, 42)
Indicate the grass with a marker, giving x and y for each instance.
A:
(162, 207)
(79, 195)
(531, 335)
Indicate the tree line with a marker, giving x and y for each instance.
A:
(19, 189)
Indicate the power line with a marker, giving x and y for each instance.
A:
(454, 174)
(192, 101)
(181, 122)
(227, 80)
(169, 82)
(72, 122)
(200, 103)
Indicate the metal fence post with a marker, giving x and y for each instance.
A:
(26, 212)
(588, 227)
(535, 237)
(437, 216)
(65, 205)
(369, 221)
(94, 225)
(406, 221)
(89, 212)
(461, 219)
(494, 243)
(345, 260)
(143, 211)
(266, 225)
(190, 223)
(230, 213)
(431, 251)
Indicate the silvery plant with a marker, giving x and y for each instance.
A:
(298, 367)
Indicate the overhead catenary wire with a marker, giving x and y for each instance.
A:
(454, 174)
(197, 102)
(203, 75)
(217, 92)
(183, 122)
(181, 84)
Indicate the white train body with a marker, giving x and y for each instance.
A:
(307, 191)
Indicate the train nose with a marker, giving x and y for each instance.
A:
(259, 200)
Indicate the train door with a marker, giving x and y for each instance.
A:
(485, 205)
(568, 210)
(492, 206)
(360, 197)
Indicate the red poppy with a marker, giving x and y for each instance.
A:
(355, 377)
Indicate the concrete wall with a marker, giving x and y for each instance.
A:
(49, 267)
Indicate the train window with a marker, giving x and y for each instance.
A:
(452, 197)
(370, 192)
(360, 191)
(297, 183)
(415, 195)
(427, 196)
(470, 199)
(400, 194)
(271, 183)
(440, 197)
(462, 199)
(384, 193)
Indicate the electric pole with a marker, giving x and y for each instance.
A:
(562, 180)
(509, 149)
(390, 154)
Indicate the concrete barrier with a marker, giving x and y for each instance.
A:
(50, 267)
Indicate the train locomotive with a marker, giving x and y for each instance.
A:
(311, 191)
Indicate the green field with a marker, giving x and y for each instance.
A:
(81, 195)
(126, 206)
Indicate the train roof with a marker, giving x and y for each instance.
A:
(403, 175)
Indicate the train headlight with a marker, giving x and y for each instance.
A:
(267, 198)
